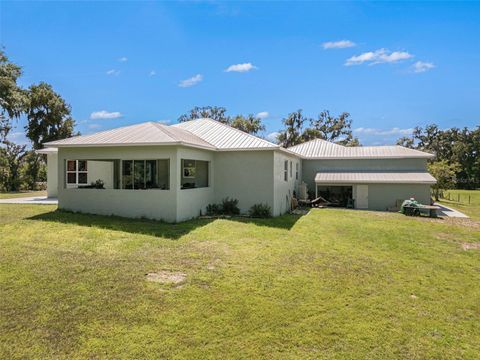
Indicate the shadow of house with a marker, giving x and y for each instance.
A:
(153, 227)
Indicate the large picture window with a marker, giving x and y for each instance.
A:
(145, 174)
(194, 174)
(77, 172)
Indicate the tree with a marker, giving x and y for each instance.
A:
(331, 128)
(249, 124)
(34, 170)
(12, 97)
(212, 112)
(12, 159)
(293, 132)
(445, 173)
(49, 116)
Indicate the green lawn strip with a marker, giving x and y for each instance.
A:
(18, 194)
(331, 284)
(471, 209)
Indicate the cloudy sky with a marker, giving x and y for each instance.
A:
(391, 66)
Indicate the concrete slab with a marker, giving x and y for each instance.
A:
(39, 200)
(450, 212)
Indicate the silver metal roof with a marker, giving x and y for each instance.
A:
(322, 149)
(367, 177)
(224, 137)
(149, 133)
(48, 150)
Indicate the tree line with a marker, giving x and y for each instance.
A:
(48, 118)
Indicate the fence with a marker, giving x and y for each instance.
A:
(455, 197)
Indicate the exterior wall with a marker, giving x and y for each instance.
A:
(190, 202)
(155, 203)
(52, 175)
(283, 190)
(311, 167)
(384, 196)
(246, 176)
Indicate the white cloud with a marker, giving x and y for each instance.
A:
(241, 67)
(194, 80)
(263, 114)
(123, 59)
(103, 114)
(113, 72)
(383, 132)
(421, 66)
(272, 136)
(378, 57)
(152, 73)
(342, 44)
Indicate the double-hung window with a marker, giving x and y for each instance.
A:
(77, 172)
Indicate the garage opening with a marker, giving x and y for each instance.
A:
(337, 196)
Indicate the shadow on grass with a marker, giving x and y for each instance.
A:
(153, 227)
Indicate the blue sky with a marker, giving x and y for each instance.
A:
(392, 66)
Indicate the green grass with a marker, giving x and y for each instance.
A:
(471, 209)
(17, 194)
(331, 284)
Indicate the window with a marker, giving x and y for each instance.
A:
(77, 173)
(291, 169)
(285, 171)
(145, 174)
(194, 174)
(296, 170)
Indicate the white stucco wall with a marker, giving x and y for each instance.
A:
(244, 175)
(52, 175)
(283, 190)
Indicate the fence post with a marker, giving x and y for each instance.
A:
(458, 197)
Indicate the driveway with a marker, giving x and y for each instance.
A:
(449, 212)
(40, 200)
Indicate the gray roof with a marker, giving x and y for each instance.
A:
(322, 149)
(149, 133)
(224, 137)
(367, 177)
(48, 150)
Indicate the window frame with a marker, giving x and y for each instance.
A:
(291, 169)
(132, 174)
(76, 172)
(285, 170)
(297, 167)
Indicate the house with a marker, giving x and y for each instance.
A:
(173, 172)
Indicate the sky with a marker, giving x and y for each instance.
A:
(392, 66)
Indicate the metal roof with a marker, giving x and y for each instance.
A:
(322, 149)
(224, 137)
(48, 150)
(149, 133)
(367, 177)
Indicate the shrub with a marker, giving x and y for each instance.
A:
(260, 211)
(230, 206)
(214, 209)
(99, 184)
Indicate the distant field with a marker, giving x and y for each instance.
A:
(333, 284)
(472, 209)
(11, 195)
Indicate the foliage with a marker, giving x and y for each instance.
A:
(326, 127)
(212, 112)
(453, 145)
(12, 97)
(249, 124)
(337, 284)
(49, 116)
(445, 173)
(230, 206)
(34, 170)
(214, 209)
(12, 157)
(260, 211)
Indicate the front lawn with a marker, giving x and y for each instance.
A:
(330, 284)
(467, 201)
(17, 194)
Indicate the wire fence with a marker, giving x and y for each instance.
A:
(456, 197)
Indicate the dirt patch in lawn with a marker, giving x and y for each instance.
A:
(166, 277)
(471, 246)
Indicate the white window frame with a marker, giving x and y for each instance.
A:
(77, 171)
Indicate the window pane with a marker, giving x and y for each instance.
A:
(189, 163)
(71, 165)
(82, 165)
(151, 174)
(82, 178)
(163, 174)
(127, 182)
(71, 178)
(139, 174)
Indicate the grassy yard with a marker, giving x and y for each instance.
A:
(472, 209)
(330, 284)
(17, 194)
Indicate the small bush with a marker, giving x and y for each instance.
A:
(214, 209)
(230, 206)
(99, 184)
(260, 211)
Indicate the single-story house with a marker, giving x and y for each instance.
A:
(173, 172)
